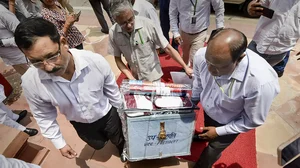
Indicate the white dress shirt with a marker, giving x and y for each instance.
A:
(279, 34)
(10, 53)
(7, 117)
(246, 105)
(185, 10)
(15, 163)
(88, 97)
(146, 9)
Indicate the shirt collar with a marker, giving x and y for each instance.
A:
(239, 72)
(80, 64)
(241, 69)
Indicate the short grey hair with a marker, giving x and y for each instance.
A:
(116, 7)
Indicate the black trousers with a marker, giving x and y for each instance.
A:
(96, 5)
(96, 134)
(215, 147)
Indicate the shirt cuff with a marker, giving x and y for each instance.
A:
(59, 142)
(176, 34)
(220, 25)
(221, 131)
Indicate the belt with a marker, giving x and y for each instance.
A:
(197, 32)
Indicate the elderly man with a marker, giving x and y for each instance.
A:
(275, 37)
(80, 83)
(193, 22)
(236, 88)
(136, 38)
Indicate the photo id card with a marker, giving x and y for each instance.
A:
(193, 21)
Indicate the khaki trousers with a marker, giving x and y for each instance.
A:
(191, 44)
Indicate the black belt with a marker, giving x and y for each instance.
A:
(197, 32)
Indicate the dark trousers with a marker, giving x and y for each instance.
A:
(96, 5)
(96, 134)
(165, 20)
(281, 65)
(215, 147)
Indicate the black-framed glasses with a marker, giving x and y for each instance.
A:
(214, 33)
(51, 59)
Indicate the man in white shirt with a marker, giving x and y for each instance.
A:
(236, 88)
(80, 83)
(15, 163)
(10, 119)
(275, 37)
(136, 38)
(9, 51)
(194, 15)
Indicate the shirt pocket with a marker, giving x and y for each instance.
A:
(232, 104)
(145, 50)
(95, 95)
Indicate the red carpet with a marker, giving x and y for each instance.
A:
(240, 154)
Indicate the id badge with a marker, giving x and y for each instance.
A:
(193, 20)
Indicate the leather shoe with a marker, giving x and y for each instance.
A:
(123, 157)
(196, 138)
(22, 115)
(31, 131)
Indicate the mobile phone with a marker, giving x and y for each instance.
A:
(78, 15)
(289, 152)
(267, 12)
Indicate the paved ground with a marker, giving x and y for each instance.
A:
(282, 122)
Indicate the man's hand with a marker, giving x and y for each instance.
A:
(68, 152)
(254, 8)
(188, 71)
(210, 133)
(178, 40)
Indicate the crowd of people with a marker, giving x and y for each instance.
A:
(234, 81)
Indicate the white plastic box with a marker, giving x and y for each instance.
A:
(142, 129)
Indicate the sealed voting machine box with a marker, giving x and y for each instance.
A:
(157, 126)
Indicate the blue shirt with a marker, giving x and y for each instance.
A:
(243, 106)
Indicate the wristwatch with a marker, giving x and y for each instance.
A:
(1, 43)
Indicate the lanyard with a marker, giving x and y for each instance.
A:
(194, 5)
(230, 86)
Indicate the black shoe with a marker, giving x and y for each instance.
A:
(31, 131)
(104, 31)
(279, 73)
(196, 138)
(22, 115)
(123, 157)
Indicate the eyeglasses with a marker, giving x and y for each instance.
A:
(51, 59)
(129, 21)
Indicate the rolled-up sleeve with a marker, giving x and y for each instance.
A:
(197, 86)
(45, 115)
(256, 108)
(219, 9)
(173, 14)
